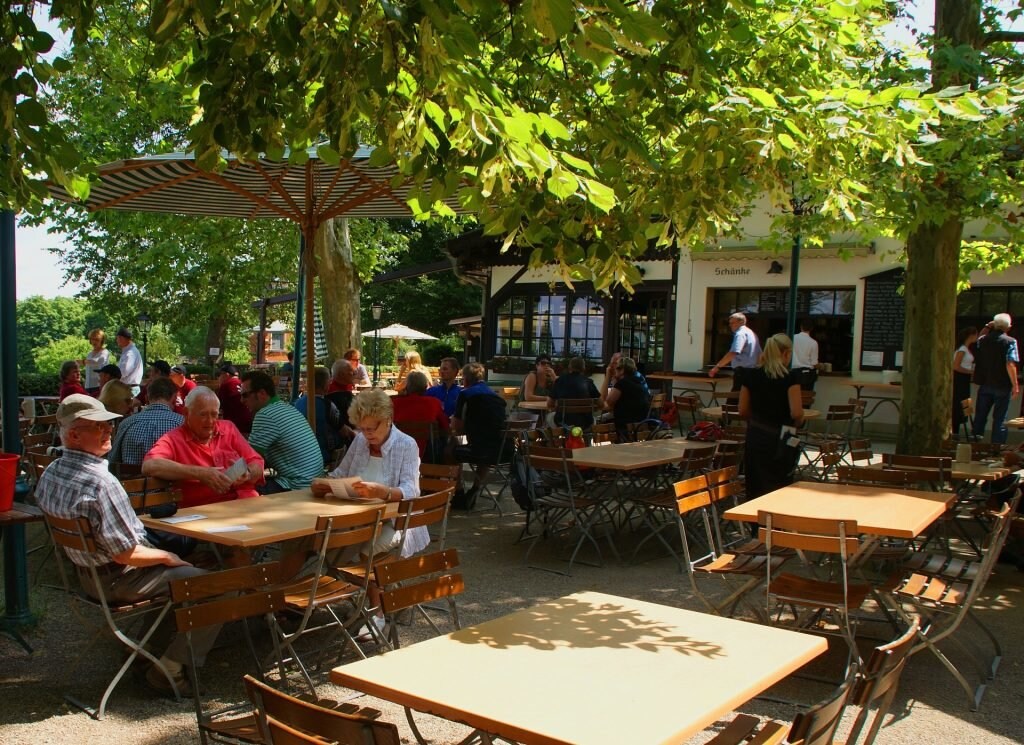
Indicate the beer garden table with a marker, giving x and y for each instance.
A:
(587, 668)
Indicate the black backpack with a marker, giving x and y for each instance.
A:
(522, 477)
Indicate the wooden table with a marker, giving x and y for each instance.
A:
(588, 668)
(973, 471)
(880, 393)
(715, 412)
(699, 385)
(879, 511)
(269, 519)
(631, 456)
(19, 514)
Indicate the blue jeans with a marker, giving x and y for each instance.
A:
(998, 401)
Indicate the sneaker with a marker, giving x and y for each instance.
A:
(158, 682)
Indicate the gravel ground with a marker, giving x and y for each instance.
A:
(929, 708)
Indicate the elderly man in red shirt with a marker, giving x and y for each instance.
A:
(413, 406)
(197, 454)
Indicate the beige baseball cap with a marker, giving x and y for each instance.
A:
(81, 406)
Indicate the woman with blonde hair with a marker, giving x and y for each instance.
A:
(770, 402)
(97, 358)
(413, 363)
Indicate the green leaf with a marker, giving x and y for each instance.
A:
(328, 155)
(762, 96)
(562, 183)
(435, 113)
(787, 141)
(599, 195)
(31, 112)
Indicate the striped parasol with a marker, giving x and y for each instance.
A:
(305, 193)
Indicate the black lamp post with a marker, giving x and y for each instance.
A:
(145, 324)
(377, 309)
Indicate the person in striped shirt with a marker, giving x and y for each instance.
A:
(281, 435)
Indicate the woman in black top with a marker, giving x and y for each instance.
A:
(626, 397)
(769, 400)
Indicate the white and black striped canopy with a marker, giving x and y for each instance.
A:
(306, 194)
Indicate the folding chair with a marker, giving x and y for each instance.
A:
(816, 726)
(506, 456)
(878, 684)
(565, 507)
(695, 500)
(409, 583)
(214, 599)
(435, 477)
(689, 404)
(323, 589)
(77, 534)
(276, 710)
(147, 492)
(838, 598)
(425, 434)
(943, 600)
(565, 406)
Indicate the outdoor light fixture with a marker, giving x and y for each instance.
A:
(775, 268)
(145, 324)
(377, 310)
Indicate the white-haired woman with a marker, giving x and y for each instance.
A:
(770, 401)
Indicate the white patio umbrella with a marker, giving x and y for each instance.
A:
(395, 331)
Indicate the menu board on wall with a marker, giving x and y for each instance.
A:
(881, 334)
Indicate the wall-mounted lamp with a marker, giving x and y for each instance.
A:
(775, 268)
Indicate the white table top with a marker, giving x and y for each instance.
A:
(588, 668)
(879, 511)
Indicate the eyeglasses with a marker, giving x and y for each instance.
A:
(367, 431)
(102, 426)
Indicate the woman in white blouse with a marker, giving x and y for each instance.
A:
(963, 369)
(97, 358)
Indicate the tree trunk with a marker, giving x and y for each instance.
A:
(930, 295)
(933, 251)
(339, 287)
(216, 338)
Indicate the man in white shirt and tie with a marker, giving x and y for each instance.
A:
(805, 355)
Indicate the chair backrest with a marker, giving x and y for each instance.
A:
(42, 440)
(276, 710)
(230, 595)
(72, 533)
(875, 476)
(688, 402)
(418, 579)
(820, 535)
(697, 462)
(877, 686)
(818, 725)
(145, 492)
(425, 511)
(860, 452)
(423, 431)
(339, 531)
(435, 477)
(604, 433)
(724, 483)
(726, 396)
(576, 405)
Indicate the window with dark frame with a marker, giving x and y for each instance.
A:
(830, 308)
(976, 306)
(559, 325)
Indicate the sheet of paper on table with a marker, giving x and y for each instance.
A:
(182, 519)
(237, 470)
(228, 529)
(341, 487)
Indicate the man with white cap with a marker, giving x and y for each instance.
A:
(79, 484)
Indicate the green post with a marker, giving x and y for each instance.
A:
(16, 610)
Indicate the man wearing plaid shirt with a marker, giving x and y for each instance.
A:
(139, 432)
(79, 484)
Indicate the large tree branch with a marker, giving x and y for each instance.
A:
(994, 37)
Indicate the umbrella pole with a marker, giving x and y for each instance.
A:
(299, 309)
(310, 329)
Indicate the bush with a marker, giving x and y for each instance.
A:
(48, 359)
(436, 351)
(38, 384)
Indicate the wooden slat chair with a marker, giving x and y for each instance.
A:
(604, 434)
(566, 507)
(426, 435)
(837, 428)
(943, 602)
(694, 503)
(723, 397)
(686, 405)
(147, 492)
(979, 450)
(837, 598)
(934, 465)
(409, 584)
(860, 453)
(563, 406)
(876, 477)
(657, 402)
(859, 407)
(876, 687)
(127, 622)
(507, 450)
(276, 709)
(730, 414)
(555, 436)
(214, 599)
(816, 726)
(45, 423)
(322, 589)
(821, 463)
(728, 453)
(435, 477)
